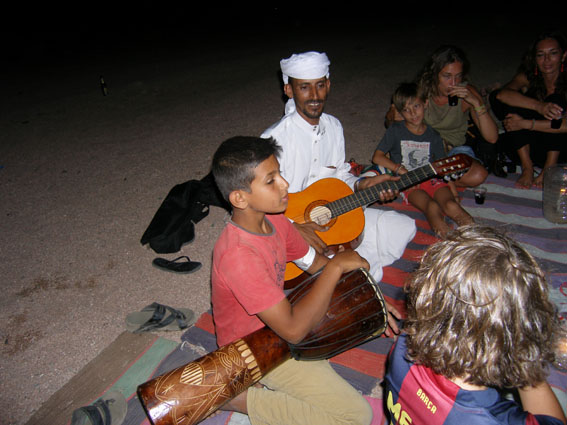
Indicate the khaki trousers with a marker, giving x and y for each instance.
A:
(306, 392)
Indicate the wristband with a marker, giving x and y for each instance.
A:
(480, 109)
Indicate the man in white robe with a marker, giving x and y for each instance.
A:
(313, 147)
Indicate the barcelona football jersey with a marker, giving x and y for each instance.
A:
(416, 395)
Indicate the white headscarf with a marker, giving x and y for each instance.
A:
(304, 66)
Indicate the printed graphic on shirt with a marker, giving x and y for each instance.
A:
(414, 154)
(279, 267)
(415, 405)
(396, 412)
(419, 399)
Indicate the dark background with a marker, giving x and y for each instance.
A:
(56, 31)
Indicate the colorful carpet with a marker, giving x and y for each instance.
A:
(519, 211)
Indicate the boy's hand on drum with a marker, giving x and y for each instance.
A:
(393, 315)
(349, 260)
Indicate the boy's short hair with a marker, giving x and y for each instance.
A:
(478, 308)
(404, 93)
(235, 160)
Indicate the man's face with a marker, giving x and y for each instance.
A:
(309, 97)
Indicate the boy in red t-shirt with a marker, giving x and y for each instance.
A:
(249, 262)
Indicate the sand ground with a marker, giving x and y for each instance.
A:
(82, 174)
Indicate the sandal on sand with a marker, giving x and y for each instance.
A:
(153, 317)
(176, 265)
(110, 409)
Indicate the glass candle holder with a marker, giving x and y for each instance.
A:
(555, 194)
(561, 348)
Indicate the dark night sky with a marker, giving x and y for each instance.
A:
(89, 21)
(50, 29)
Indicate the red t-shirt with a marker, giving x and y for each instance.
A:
(248, 275)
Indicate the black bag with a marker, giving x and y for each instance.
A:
(186, 204)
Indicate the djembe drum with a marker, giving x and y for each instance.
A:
(186, 395)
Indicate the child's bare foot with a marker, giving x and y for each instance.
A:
(463, 219)
(538, 181)
(441, 229)
(441, 234)
(526, 179)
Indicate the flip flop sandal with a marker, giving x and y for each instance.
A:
(110, 409)
(153, 317)
(177, 265)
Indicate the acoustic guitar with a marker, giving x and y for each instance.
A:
(330, 202)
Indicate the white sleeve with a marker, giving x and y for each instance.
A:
(344, 174)
(307, 260)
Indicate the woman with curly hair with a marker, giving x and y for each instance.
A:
(479, 320)
(532, 106)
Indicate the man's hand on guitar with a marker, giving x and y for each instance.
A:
(307, 231)
(385, 195)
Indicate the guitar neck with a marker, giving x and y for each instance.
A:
(372, 194)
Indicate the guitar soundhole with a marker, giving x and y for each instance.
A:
(319, 214)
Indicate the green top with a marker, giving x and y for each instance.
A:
(450, 121)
